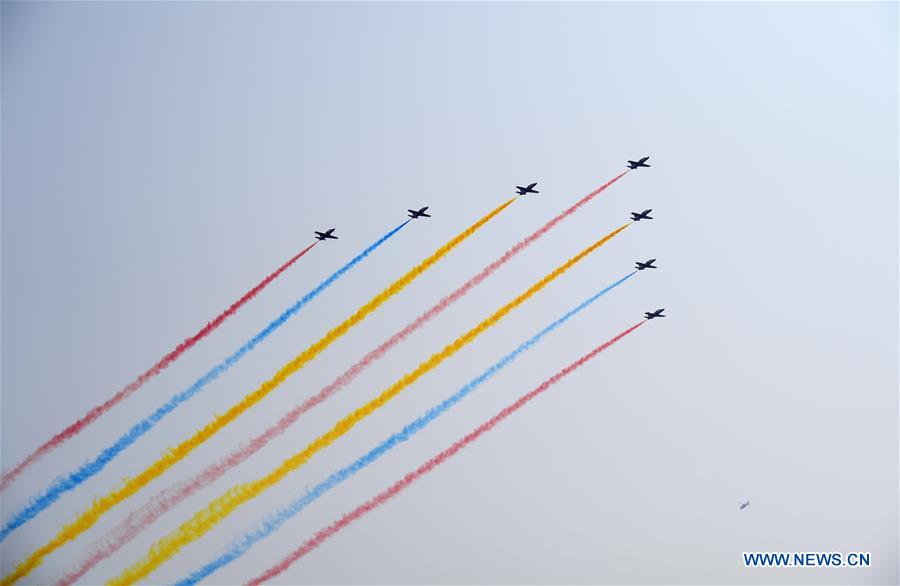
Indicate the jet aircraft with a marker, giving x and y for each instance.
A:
(653, 314)
(644, 215)
(325, 235)
(743, 506)
(645, 265)
(418, 214)
(639, 163)
(530, 189)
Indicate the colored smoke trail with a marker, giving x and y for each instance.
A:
(100, 506)
(347, 377)
(74, 429)
(430, 465)
(71, 481)
(274, 521)
(220, 508)
(176, 454)
(164, 501)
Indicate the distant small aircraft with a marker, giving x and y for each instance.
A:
(743, 506)
(653, 314)
(639, 163)
(418, 214)
(645, 265)
(644, 215)
(529, 189)
(325, 235)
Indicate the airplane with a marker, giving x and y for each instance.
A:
(743, 506)
(644, 215)
(418, 214)
(645, 265)
(639, 163)
(529, 189)
(325, 235)
(653, 314)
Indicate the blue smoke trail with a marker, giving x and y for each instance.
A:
(71, 481)
(276, 519)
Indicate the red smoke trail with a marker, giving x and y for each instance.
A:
(164, 501)
(431, 464)
(76, 428)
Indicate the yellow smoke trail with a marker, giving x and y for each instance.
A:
(102, 505)
(220, 508)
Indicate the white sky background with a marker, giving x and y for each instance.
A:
(159, 159)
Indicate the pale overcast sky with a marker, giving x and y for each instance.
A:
(159, 159)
